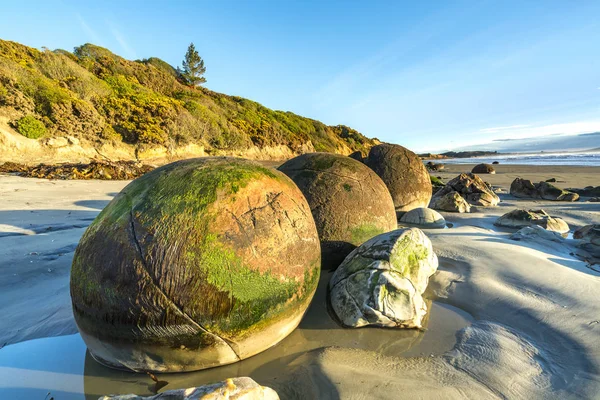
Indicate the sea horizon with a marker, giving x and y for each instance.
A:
(588, 158)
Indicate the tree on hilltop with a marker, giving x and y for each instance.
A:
(193, 67)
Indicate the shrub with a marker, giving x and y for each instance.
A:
(30, 127)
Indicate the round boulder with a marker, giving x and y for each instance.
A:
(483, 169)
(404, 174)
(349, 202)
(424, 218)
(199, 263)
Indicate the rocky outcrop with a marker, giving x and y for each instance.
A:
(237, 388)
(588, 191)
(381, 282)
(424, 218)
(518, 219)
(483, 169)
(524, 188)
(434, 166)
(199, 263)
(536, 233)
(470, 187)
(452, 202)
(589, 239)
(403, 173)
(349, 202)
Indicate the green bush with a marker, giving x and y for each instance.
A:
(30, 127)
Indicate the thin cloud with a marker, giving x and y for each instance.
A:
(503, 128)
(92, 35)
(129, 52)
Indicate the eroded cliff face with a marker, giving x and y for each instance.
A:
(57, 106)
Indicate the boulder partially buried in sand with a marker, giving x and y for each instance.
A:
(349, 202)
(524, 188)
(589, 239)
(381, 282)
(199, 263)
(424, 218)
(404, 174)
(521, 218)
(472, 188)
(483, 169)
(452, 202)
(237, 388)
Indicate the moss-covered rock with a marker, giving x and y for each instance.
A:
(196, 264)
(349, 202)
(382, 281)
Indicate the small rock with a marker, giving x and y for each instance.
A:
(452, 202)
(594, 200)
(524, 188)
(57, 142)
(551, 180)
(522, 218)
(72, 140)
(424, 218)
(237, 388)
(536, 232)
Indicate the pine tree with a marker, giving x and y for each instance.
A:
(193, 67)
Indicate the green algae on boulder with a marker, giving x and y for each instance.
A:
(199, 263)
(382, 281)
(349, 202)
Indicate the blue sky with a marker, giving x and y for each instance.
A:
(430, 76)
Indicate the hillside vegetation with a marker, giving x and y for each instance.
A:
(98, 97)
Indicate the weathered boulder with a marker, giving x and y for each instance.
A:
(483, 169)
(451, 201)
(237, 388)
(434, 167)
(199, 263)
(521, 218)
(357, 155)
(536, 233)
(524, 188)
(588, 234)
(588, 191)
(404, 174)
(349, 202)
(589, 240)
(472, 188)
(424, 218)
(548, 191)
(382, 281)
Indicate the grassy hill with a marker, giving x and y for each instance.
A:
(98, 97)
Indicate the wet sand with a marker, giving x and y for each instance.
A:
(509, 319)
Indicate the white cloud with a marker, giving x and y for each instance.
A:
(502, 128)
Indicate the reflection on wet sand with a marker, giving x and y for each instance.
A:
(55, 364)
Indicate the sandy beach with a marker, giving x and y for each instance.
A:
(508, 319)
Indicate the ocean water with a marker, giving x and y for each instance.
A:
(580, 159)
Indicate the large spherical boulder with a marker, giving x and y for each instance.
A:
(483, 169)
(196, 264)
(404, 174)
(381, 282)
(349, 202)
